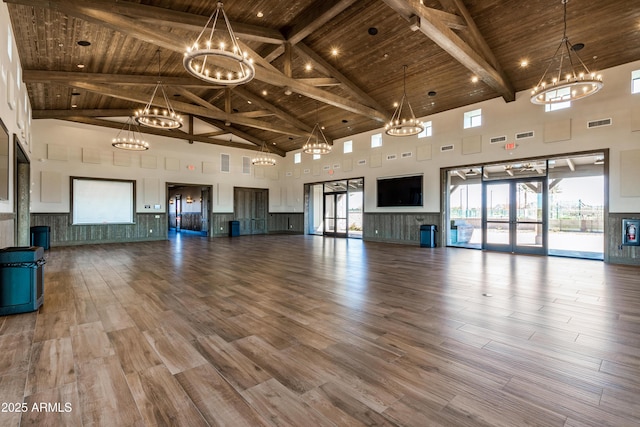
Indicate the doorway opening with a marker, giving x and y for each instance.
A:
(550, 206)
(189, 208)
(335, 208)
(21, 179)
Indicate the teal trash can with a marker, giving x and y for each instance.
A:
(40, 235)
(21, 279)
(428, 236)
(234, 228)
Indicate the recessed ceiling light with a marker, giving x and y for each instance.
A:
(80, 65)
(334, 51)
(260, 14)
(308, 67)
(84, 43)
(524, 63)
(345, 121)
(432, 93)
(75, 93)
(372, 31)
(474, 79)
(578, 46)
(395, 105)
(264, 93)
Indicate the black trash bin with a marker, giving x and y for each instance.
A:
(428, 236)
(40, 236)
(21, 279)
(234, 228)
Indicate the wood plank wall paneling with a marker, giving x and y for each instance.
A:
(146, 227)
(401, 227)
(189, 221)
(220, 223)
(618, 254)
(7, 230)
(286, 222)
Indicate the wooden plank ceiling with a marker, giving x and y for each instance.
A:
(443, 43)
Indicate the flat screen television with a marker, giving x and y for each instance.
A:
(400, 191)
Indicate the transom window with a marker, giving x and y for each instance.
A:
(297, 158)
(635, 81)
(557, 95)
(473, 118)
(427, 130)
(376, 140)
(348, 147)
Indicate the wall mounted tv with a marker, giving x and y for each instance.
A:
(400, 191)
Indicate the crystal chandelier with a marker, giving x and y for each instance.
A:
(216, 57)
(129, 138)
(264, 157)
(407, 124)
(163, 118)
(568, 84)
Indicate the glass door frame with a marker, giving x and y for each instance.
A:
(335, 214)
(513, 221)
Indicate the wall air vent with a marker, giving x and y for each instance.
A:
(446, 148)
(406, 154)
(498, 139)
(598, 123)
(224, 163)
(524, 135)
(392, 156)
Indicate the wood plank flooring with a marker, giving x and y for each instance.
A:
(311, 331)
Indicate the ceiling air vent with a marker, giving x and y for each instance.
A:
(498, 139)
(446, 148)
(598, 123)
(524, 135)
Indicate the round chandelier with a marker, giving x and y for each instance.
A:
(317, 143)
(216, 57)
(568, 84)
(130, 138)
(158, 118)
(264, 157)
(401, 123)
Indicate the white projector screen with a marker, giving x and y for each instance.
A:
(102, 201)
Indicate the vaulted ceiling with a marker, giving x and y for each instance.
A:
(443, 44)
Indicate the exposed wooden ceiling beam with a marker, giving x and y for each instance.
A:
(314, 17)
(159, 132)
(166, 40)
(327, 68)
(59, 114)
(262, 103)
(64, 77)
(320, 81)
(428, 21)
(257, 141)
(159, 16)
(185, 108)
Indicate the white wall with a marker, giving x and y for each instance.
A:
(15, 109)
(61, 149)
(65, 149)
(498, 118)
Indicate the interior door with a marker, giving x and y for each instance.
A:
(514, 216)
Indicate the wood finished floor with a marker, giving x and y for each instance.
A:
(306, 331)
